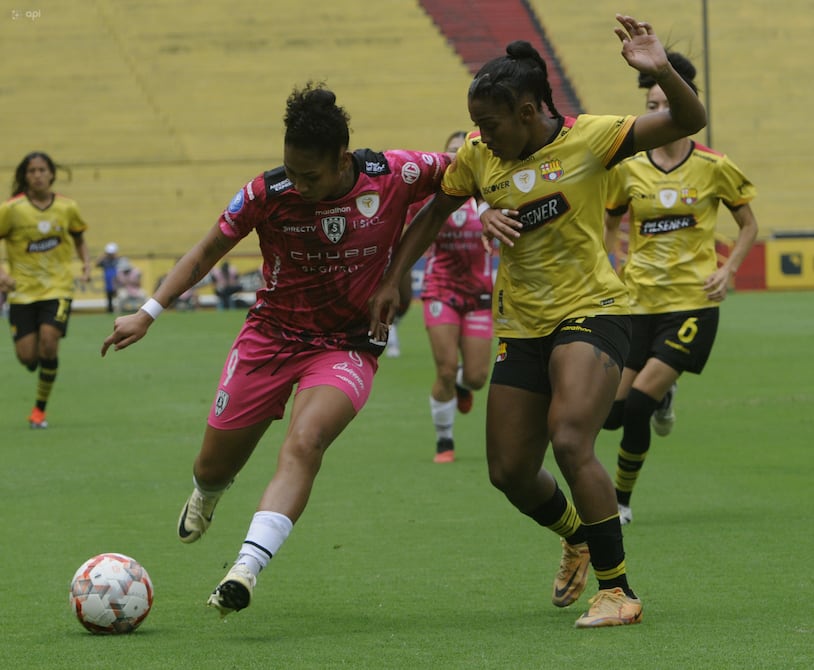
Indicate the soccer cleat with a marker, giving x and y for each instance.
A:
(611, 607)
(37, 419)
(234, 591)
(465, 399)
(573, 573)
(196, 515)
(444, 451)
(625, 514)
(664, 417)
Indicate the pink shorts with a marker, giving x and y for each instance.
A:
(260, 374)
(477, 323)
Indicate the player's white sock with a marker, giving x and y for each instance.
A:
(267, 532)
(459, 379)
(443, 416)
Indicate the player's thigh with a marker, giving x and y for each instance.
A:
(476, 353)
(584, 381)
(444, 339)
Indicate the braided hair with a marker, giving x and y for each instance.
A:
(505, 79)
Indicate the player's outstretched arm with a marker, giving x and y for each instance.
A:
(644, 52)
(192, 268)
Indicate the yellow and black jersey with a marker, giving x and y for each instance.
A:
(40, 247)
(671, 248)
(558, 267)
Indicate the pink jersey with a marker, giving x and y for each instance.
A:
(458, 269)
(323, 260)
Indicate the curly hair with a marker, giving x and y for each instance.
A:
(315, 122)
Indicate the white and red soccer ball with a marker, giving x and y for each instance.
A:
(111, 594)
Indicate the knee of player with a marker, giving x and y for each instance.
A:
(475, 381)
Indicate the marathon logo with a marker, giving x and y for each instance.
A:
(543, 211)
(667, 224)
(45, 244)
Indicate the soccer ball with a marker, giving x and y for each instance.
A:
(111, 594)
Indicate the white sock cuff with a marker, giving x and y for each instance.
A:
(268, 531)
(459, 379)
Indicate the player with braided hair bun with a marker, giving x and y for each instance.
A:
(327, 223)
(560, 311)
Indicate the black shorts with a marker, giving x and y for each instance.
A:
(523, 363)
(27, 319)
(682, 340)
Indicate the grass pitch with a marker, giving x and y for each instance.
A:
(398, 562)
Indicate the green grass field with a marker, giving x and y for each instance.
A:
(397, 562)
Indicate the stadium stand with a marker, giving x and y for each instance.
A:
(163, 109)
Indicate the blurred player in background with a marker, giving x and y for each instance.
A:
(109, 262)
(671, 193)
(457, 294)
(327, 223)
(560, 311)
(42, 231)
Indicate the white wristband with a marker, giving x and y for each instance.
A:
(482, 208)
(153, 308)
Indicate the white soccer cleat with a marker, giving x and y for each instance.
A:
(197, 515)
(664, 417)
(625, 514)
(234, 591)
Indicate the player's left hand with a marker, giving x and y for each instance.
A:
(383, 306)
(717, 285)
(501, 225)
(640, 47)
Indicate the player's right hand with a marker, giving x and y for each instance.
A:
(127, 330)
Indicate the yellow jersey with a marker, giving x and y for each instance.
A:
(671, 247)
(558, 268)
(40, 247)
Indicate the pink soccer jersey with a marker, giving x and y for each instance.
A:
(458, 268)
(323, 260)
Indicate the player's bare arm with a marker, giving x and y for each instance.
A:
(416, 240)
(192, 267)
(644, 52)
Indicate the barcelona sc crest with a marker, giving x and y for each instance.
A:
(551, 170)
(689, 196)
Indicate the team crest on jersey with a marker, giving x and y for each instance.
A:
(668, 197)
(689, 196)
(551, 170)
(44, 227)
(368, 204)
(410, 172)
(334, 227)
(221, 401)
(459, 217)
(524, 180)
